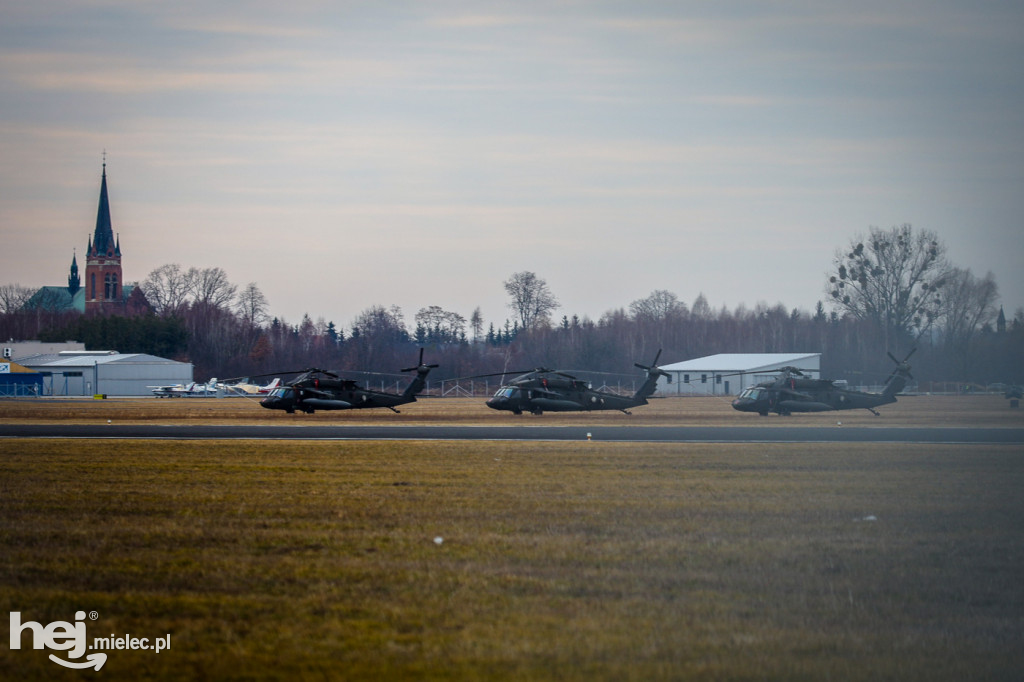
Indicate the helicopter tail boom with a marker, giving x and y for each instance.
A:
(418, 384)
(651, 384)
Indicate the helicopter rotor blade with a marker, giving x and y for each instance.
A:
(307, 370)
(418, 364)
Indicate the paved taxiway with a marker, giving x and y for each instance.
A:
(667, 434)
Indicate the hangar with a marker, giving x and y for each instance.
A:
(106, 372)
(730, 373)
(17, 380)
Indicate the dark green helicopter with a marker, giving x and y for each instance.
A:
(546, 390)
(792, 392)
(317, 389)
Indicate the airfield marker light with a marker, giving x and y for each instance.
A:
(588, 435)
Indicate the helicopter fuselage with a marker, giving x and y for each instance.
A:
(292, 398)
(555, 395)
(806, 395)
(317, 389)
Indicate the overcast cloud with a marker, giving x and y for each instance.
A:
(348, 154)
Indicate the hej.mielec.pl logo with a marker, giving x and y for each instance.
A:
(71, 637)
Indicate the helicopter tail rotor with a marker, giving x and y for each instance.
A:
(901, 365)
(653, 369)
(420, 367)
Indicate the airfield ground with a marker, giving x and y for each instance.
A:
(925, 410)
(508, 560)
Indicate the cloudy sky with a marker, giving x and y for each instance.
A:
(349, 154)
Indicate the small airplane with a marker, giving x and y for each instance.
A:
(318, 389)
(792, 392)
(189, 390)
(244, 387)
(545, 390)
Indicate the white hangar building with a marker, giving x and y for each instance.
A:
(730, 373)
(78, 372)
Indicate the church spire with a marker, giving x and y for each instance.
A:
(103, 282)
(103, 239)
(74, 282)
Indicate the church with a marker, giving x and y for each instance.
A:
(103, 291)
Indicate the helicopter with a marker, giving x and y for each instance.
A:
(792, 392)
(317, 389)
(540, 390)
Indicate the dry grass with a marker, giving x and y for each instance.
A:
(573, 561)
(984, 410)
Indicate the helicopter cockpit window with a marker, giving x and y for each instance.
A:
(751, 393)
(281, 392)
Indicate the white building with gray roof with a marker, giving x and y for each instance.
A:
(730, 373)
(78, 373)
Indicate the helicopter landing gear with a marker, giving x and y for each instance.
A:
(537, 411)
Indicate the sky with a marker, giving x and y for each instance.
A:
(343, 155)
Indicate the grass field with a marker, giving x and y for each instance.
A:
(569, 561)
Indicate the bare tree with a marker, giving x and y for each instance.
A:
(476, 323)
(701, 309)
(659, 305)
(969, 304)
(13, 297)
(380, 323)
(210, 286)
(532, 301)
(893, 277)
(165, 288)
(440, 324)
(252, 305)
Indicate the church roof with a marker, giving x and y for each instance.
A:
(57, 299)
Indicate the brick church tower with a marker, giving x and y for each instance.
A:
(103, 279)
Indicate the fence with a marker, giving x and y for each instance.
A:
(20, 390)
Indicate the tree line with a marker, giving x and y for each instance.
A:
(888, 290)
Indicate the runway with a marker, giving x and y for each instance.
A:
(659, 434)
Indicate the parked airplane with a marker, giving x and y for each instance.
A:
(243, 387)
(189, 390)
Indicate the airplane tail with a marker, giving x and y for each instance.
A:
(651, 384)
